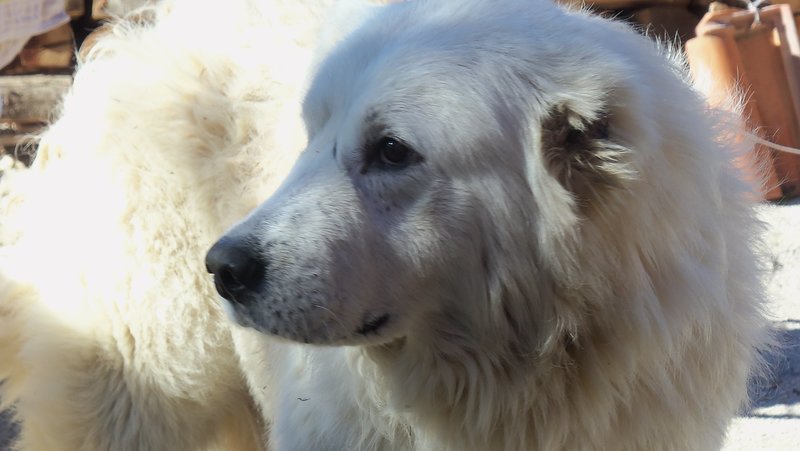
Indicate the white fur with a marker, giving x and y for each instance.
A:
(110, 335)
(597, 293)
(528, 309)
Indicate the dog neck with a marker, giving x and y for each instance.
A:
(435, 384)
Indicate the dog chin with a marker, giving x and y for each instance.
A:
(378, 330)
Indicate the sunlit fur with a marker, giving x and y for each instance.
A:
(181, 119)
(569, 267)
(605, 301)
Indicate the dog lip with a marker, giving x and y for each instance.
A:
(372, 326)
(230, 311)
(222, 290)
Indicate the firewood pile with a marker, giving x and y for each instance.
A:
(34, 79)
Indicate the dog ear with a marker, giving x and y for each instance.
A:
(581, 154)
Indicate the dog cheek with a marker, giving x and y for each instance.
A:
(424, 241)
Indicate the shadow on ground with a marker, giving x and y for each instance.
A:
(781, 385)
(7, 431)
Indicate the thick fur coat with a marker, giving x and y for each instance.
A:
(513, 228)
(111, 336)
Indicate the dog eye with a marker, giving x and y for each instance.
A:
(394, 154)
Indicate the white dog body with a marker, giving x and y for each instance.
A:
(111, 336)
(512, 229)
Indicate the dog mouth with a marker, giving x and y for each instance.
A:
(373, 326)
(230, 311)
(294, 326)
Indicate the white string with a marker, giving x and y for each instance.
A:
(772, 145)
(754, 6)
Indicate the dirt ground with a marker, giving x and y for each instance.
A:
(773, 421)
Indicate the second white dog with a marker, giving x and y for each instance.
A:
(111, 336)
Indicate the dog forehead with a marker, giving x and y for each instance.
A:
(477, 66)
(422, 44)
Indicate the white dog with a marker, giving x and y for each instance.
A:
(512, 229)
(179, 122)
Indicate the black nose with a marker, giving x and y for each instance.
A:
(238, 271)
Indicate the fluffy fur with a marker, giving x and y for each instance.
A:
(512, 229)
(563, 260)
(111, 337)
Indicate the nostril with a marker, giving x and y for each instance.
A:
(227, 278)
(243, 275)
(236, 268)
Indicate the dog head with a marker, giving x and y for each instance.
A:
(460, 154)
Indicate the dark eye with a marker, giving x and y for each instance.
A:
(393, 153)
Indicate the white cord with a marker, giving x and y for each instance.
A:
(772, 145)
(753, 6)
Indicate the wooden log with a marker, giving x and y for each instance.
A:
(75, 8)
(32, 98)
(53, 50)
(99, 10)
(104, 9)
(27, 103)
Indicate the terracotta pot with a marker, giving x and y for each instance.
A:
(762, 62)
(716, 59)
